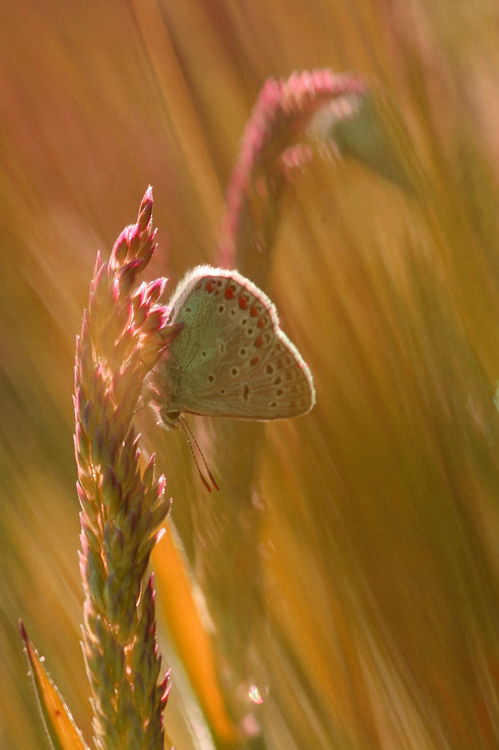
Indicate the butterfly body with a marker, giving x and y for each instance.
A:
(231, 359)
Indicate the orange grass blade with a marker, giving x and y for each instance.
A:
(60, 725)
(189, 635)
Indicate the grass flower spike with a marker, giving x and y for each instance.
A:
(123, 506)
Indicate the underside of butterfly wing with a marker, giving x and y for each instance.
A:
(232, 359)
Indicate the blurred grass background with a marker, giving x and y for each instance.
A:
(377, 611)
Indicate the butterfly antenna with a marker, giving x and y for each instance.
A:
(143, 404)
(187, 431)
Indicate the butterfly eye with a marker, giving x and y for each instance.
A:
(173, 414)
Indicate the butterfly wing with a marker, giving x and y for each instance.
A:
(232, 359)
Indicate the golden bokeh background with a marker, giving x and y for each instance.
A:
(361, 585)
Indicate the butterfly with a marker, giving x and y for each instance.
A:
(231, 358)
